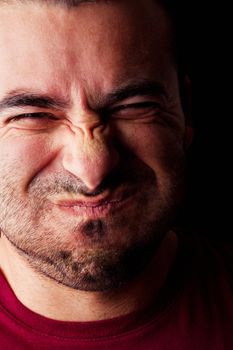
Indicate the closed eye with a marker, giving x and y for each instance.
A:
(134, 111)
(34, 116)
(33, 121)
(141, 105)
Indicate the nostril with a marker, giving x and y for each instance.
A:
(94, 193)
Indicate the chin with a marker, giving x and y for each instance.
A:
(99, 270)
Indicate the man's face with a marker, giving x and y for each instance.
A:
(91, 138)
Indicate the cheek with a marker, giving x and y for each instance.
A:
(157, 146)
(22, 157)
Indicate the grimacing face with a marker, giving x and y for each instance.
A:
(91, 138)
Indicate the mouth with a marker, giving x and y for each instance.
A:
(97, 207)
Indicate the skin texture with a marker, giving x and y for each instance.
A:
(119, 164)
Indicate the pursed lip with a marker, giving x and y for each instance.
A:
(101, 205)
(87, 204)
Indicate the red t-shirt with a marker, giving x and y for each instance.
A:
(193, 311)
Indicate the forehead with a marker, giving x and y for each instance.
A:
(92, 46)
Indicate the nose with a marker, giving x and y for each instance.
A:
(89, 153)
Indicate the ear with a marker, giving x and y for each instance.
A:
(186, 100)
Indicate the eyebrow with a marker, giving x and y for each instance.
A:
(137, 88)
(24, 99)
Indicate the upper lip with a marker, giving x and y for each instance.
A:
(99, 200)
(80, 203)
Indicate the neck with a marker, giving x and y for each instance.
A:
(45, 297)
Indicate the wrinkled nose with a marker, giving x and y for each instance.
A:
(89, 153)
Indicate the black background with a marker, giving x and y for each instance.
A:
(208, 205)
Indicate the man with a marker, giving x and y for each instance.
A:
(93, 139)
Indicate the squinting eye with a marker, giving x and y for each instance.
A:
(33, 121)
(33, 116)
(137, 110)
